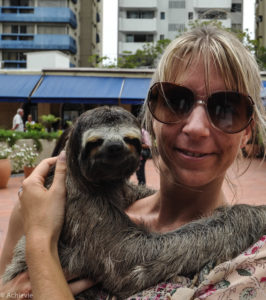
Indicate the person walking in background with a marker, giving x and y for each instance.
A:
(18, 124)
(29, 120)
(145, 154)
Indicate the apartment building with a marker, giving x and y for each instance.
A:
(71, 26)
(260, 12)
(142, 21)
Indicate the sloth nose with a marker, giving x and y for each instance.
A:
(115, 148)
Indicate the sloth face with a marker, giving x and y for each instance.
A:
(110, 153)
(104, 145)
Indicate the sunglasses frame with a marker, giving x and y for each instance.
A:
(197, 101)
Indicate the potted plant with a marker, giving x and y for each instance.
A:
(49, 120)
(24, 158)
(5, 166)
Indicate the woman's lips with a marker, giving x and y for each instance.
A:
(193, 153)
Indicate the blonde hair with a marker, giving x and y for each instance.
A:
(235, 63)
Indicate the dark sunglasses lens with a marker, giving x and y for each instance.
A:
(169, 103)
(230, 111)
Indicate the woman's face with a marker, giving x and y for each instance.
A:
(192, 151)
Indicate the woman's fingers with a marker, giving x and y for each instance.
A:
(80, 286)
(39, 174)
(58, 184)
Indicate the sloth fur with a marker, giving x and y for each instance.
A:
(100, 242)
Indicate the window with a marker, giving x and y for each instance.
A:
(236, 7)
(176, 27)
(18, 29)
(19, 2)
(98, 17)
(237, 26)
(260, 18)
(177, 4)
(139, 38)
(190, 15)
(14, 56)
(162, 15)
(138, 14)
(26, 38)
(97, 38)
(161, 36)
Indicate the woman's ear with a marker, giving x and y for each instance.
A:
(247, 134)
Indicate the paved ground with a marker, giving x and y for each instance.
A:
(251, 188)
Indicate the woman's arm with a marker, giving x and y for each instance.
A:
(14, 233)
(42, 212)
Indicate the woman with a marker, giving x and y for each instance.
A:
(202, 107)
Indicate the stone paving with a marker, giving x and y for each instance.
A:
(250, 187)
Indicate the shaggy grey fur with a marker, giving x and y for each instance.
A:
(99, 241)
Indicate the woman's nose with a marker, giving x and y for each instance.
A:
(197, 124)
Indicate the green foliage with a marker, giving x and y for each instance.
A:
(35, 127)
(146, 57)
(10, 136)
(48, 120)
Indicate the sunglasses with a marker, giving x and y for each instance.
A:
(228, 111)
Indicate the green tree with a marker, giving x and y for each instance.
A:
(145, 57)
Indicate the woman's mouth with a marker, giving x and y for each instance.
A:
(192, 153)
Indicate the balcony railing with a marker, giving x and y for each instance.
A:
(138, 4)
(211, 4)
(38, 14)
(137, 25)
(38, 42)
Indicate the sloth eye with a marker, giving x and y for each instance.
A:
(93, 144)
(133, 141)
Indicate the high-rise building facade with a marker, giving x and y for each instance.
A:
(70, 26)
(260, 31)
(142, 21)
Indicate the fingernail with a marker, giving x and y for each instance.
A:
(62, 156)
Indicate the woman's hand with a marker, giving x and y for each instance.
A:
(43, 215)
(43, 209)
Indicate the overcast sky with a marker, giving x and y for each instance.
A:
(110, 24)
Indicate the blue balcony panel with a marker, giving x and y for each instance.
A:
(39, 42)
(40, 15)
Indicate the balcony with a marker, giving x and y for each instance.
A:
(138, 4)
(137, 25)
(38, 14)
(211, 4)
(131, 47)
(38, 42)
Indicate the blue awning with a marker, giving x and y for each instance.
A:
(78, 89)
(17, 88)
(135, 90)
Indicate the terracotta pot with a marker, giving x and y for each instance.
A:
(27, 171)
(5, 172)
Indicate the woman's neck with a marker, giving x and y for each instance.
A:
(178, 204)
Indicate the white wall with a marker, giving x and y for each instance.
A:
(47, 59)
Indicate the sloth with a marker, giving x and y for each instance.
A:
(99, 241)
